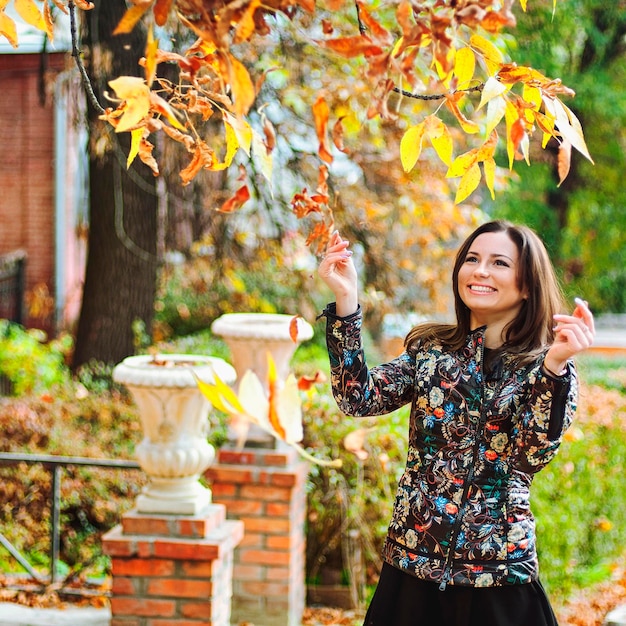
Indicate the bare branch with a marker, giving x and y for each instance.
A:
(77, 57)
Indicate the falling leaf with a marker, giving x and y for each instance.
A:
(161, 11)
(307, 382)
(320, 115)
(277, 412)
(129, 20)
(240, 197)
(355, 442)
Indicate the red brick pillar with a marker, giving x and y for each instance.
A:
(171, 570)
(265, 489)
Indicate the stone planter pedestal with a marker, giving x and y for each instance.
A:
(174, 416)
(172, 555)
(250, 336)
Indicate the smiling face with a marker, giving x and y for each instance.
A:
(488, 280)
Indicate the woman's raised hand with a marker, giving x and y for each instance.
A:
(572, 334)
(337, 270)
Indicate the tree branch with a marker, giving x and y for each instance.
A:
(81, 68)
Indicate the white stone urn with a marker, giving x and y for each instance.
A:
(175, 420)
(250, 336)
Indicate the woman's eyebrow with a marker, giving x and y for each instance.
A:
(493, 255)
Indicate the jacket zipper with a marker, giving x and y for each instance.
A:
(445, 577)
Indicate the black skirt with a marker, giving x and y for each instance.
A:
(403, 600)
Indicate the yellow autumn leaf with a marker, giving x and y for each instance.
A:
(242, 129)
(570, 127)
(135, 142)
(136, 94)
(411, 146)
(462, 164)
(491, 55)
(531, 95)
(130, 18)
(495, 112)
(464, 66)
(152, 45)
(263, 157)
(468, 184)
(162, 107)
(232, 145)
(489, 167)
(242, 87)
(8, 29)
(523, 4)
(30, 13)
(492, 89)
(440, 138)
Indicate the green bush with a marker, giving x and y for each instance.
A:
(29, 362)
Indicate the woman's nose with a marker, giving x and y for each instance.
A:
(482, 270)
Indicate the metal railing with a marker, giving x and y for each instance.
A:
(54, 464)
(12, 285)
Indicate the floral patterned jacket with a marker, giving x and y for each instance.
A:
(462, 512)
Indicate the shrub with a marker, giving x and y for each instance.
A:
(29, 362)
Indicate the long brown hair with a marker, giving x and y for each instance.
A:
(532, 330)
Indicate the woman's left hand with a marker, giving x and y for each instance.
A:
(573, 334)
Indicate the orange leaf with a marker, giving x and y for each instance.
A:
(237, 76)
(242, 195)
(306, 382)
(351, 47)
(320, 115)
(564, 159)
(272, 390)
(293, 328)
(377, 31)
(337, 135)
(161, 11)
(131, 17)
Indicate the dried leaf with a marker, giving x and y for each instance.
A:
(351, 47)
(376, 31)
(305, 383)
(131, 17)
(321, 113)
(240, 197)
(564, 160)
(136, 95)
(161, 11)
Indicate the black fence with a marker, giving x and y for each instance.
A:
(55, 465)
(12, 284)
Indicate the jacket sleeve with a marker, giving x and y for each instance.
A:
(544, 418)
(358, 390)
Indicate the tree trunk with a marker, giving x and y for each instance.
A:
(120, 278)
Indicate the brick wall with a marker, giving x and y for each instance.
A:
(27, 175)
(172, 570)
(265, 489)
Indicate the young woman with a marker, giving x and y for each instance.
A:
(491, 397)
